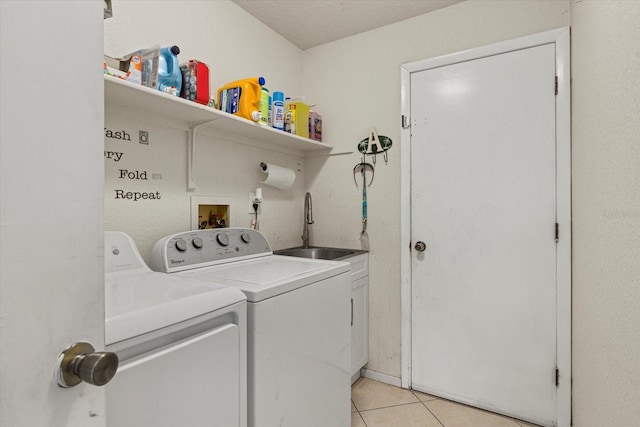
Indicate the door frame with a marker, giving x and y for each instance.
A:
(561, 38)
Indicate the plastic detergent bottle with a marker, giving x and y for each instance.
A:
(288, 122)
(299, 115)
(169, 75)
(242, 98)
(277, 110)
(264, 107)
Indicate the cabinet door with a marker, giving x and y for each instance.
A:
(359, 323)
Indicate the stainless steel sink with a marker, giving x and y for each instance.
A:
(319, 253)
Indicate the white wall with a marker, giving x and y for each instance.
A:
(606, 212)
(235, 45)
(356, 84)
(51, 234)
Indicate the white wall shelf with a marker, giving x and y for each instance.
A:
(197, 116)
(120, 92)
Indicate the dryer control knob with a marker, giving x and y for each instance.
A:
(246, 237)
(181, 245)
(197, 243)
(223, 239)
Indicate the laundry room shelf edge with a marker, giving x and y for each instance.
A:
(121, 92)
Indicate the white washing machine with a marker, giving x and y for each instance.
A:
(298, 313)
(181, 345)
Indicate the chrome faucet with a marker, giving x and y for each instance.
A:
(308, 219)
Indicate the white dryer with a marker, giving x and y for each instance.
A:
(298, 313)
(181, 345)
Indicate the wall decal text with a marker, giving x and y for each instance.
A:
(127, 174)
(120, 134)
(113, 155)
(136, 195)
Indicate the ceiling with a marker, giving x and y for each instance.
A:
(310, 23)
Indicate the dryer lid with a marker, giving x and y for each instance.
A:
(140, 302)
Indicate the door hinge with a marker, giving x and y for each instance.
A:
(556, 85)
(557, 232)
(557, 377)
(405, 122)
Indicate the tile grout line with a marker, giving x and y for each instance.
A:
(515, 420)
(363, 421)
(390, 406)
(430, 411)
(358, 412)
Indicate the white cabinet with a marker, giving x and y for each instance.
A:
(359, 323)
(359, 313)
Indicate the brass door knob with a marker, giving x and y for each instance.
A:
(80, 362)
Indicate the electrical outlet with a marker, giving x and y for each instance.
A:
(252, 197)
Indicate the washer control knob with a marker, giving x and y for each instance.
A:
(181, 245)
(197, 243)
(246, 237)
(223, 239)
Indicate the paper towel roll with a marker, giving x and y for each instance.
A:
(277, 176)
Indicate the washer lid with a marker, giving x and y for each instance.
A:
(268, 276)
(141, 301)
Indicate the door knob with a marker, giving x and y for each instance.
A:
(420, 246)
(80, 362)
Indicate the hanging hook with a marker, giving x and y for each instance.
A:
(362, 168)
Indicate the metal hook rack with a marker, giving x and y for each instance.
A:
(374, 145)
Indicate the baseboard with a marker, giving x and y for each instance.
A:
(380, 377)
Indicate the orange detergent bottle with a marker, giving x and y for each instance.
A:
(242, 98)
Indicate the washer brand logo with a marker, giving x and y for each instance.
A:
(176, 261)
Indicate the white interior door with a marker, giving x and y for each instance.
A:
(483, 199)
(51, 196)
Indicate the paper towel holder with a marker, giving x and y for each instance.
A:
(278, 177)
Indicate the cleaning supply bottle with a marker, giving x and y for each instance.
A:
(297, 118)
(169, 74)
(315, 126)
(288, 117)
(277, 110)
(242, 98)
(300, 118)
(264, 106)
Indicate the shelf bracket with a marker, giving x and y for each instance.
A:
(191, 153)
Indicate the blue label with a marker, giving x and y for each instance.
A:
(231, 99)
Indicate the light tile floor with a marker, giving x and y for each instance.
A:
(374, 404)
